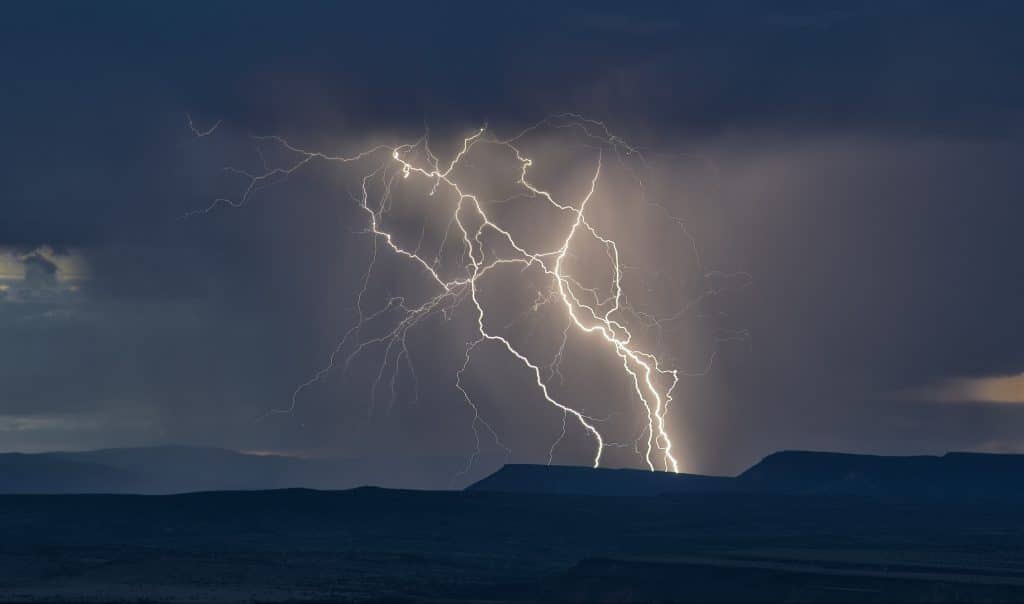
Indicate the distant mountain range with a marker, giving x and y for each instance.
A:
(177, 469)
(174, 469)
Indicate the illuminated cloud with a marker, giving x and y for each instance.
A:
(999, 389)
(41, 274)
(11, 266)
(38, 432)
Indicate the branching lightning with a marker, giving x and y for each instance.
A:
(600, 314)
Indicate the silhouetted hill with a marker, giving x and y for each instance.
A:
(953, 476)
(576, 480)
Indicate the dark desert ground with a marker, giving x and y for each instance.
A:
(798, 527)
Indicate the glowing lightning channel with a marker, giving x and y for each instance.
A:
(585, 308)
(196, 132)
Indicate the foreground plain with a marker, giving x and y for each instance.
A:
(373, 544)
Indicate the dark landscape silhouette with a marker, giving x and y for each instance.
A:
(797, 526)
(177, 469)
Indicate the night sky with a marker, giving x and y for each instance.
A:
(861, 162)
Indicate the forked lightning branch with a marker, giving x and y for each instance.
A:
(602, 315)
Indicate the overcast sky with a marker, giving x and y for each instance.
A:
(861, 162)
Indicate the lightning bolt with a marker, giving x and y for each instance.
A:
(599, 314)
(196, 132)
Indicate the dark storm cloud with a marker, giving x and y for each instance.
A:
(859, 160)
